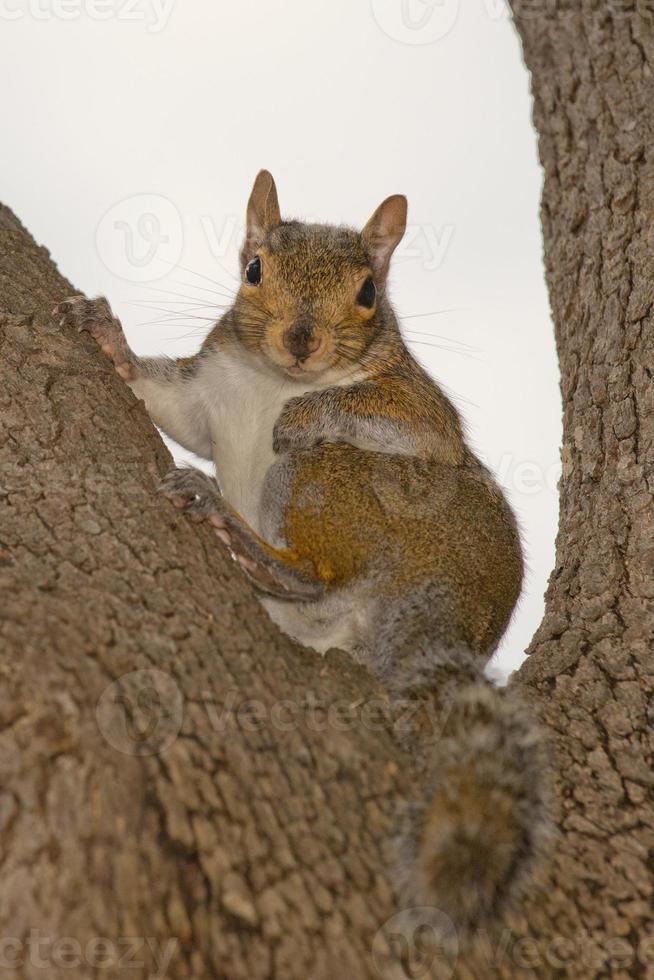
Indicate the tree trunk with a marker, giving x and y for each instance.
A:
(183, 788)
(591, 662)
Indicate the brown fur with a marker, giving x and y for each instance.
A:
(408, 521)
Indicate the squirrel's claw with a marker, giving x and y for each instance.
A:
(199, 496)
(82, 313)
(94, 316)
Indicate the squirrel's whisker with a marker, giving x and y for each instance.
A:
(169, 292)
(438, 336)
(151, 305)
(445, 348)
(453, 309)
(176, 319)
(200, 275)
(215, 292)
(209, 278)
(176, 265)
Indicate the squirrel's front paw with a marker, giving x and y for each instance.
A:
(94, 316)
(193, 491)
(296, 427)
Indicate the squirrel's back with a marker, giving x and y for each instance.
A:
(425, 521)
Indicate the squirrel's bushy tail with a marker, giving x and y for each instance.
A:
(474, 841)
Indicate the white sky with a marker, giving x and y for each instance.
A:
(137, 126)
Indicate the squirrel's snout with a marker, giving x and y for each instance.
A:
(301, 339)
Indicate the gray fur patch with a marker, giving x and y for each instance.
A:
(414, 640)
(275, 497)
(331, 416)
(311, 497)
(165, 369)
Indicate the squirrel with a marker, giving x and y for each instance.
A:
(347, 493)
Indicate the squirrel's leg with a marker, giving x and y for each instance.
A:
(168, 387)
(276, 571)
(347, 414)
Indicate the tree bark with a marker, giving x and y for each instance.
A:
(591, 662)
(173, 770)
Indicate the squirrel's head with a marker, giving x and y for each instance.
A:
(310, 294)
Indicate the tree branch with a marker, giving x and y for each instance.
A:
(220, 795)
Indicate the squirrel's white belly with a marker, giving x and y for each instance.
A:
(244, 402)
(340, 620)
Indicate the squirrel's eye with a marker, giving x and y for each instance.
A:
(253, 271)
(367, 294)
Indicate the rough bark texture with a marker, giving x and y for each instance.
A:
(164, 772)
(592, 660)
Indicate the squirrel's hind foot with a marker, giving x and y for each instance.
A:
(271, 569)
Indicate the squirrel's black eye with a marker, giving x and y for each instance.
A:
(367, 294)
(253, 271)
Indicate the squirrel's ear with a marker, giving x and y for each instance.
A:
(383, 233)
(262, 213)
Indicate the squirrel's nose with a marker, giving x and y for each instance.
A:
(299, 340)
